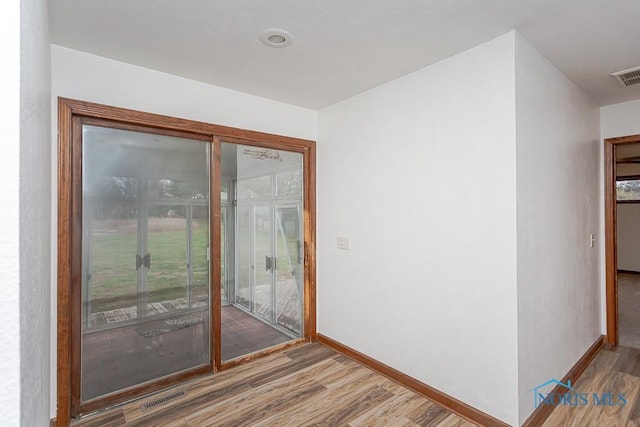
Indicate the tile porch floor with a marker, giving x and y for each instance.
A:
(120, 357)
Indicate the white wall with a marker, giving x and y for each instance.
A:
(628, 236)
(91, 78)
(9, 214)
(620, 119)
(557, 194)
(429, 285)
(25, 215)
(35, 213)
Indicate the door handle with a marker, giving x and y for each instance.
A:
(143, 261)
(269, 263)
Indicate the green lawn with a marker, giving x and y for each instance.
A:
(114, 275)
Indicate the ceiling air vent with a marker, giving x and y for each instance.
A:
(628, 77)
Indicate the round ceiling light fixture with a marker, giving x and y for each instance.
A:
(276, 37)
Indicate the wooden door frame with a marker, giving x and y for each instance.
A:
(72, 113)
(611, 244)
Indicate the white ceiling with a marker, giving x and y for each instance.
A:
(342, 48)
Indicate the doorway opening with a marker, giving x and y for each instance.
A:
(622, 223)
(184, 249)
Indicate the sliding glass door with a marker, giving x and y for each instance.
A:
(146, 306)
(145, 282)
(267, 308)
(180, 253)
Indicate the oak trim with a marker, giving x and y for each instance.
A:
(215, 241)
(74, 112)
(451, 403)
(261, 353)
(159, 121)
(75, 298)
(629, 139)
(310, 319)
(542, 412)
(611, 257)
(113, 124)
(63, 386)
(610, 224)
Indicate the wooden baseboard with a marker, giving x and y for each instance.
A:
(542, 412)
(454, 405)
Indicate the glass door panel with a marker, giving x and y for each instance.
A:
(263, 261)
(264, 197)
(289, 274)
(223, 257)
(244, 264)
(199, 297)
(145, 234)
(167, 259)
(110, 279)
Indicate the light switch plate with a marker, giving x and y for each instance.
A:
(343, 243)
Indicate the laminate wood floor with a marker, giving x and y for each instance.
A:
(629, 309)
(306, 385)
(617, 371)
